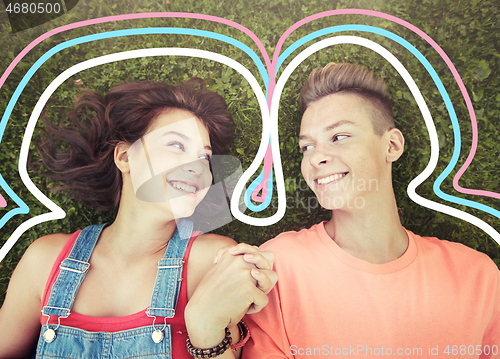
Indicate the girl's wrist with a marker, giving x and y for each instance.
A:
(206, 339)
(210, 351)
(203, 332)
(233, 340)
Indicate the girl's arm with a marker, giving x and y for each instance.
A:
(226, 290)
(20, 312)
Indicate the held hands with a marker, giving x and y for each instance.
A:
(236, 284)
(265, 278)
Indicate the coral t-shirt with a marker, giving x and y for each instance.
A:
(439, 299)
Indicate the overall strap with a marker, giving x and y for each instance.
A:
(169, 277)
(73, 270)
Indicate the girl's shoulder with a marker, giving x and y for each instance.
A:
(21, 309)
(206, 246)
(213, 242)
(39, 258)
(47, 247)
(50, 242)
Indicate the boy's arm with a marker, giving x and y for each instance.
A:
(491, 338)
(268, 339)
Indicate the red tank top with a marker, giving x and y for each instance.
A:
(115, 324)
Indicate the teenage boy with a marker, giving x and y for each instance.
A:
(360, 284)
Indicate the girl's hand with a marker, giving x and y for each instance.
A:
(236, 284)
(263, 261)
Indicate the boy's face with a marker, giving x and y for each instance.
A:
(344, 161)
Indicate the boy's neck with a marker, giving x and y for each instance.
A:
(372, 234)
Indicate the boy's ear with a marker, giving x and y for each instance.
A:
(121, 157)
(396, 145)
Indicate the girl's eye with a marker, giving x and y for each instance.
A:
(177, 145)
(306, 148)
(205, 156)
(339, 137)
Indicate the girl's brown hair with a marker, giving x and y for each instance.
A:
(97, 124)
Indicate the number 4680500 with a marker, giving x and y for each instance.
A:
(471, 349)
(33, 8)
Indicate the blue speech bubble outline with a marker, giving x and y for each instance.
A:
(253, 186)
(439, 85)
(290, 49)
(23, 208)
(444, 94)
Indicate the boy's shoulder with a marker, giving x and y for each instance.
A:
(295, 242)
(431, 250)
(452, 254)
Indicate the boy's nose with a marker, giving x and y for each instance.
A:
(320, 156)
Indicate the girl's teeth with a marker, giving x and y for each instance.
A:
(184, 187)
(331, 178)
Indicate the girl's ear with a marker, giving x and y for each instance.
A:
(396, 145)
(121, 157)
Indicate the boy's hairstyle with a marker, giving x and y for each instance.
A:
(90, 132)
(354, 79)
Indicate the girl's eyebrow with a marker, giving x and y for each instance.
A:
(184, 137)
(181, 135)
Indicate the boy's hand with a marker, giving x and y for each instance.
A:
(235, 285)
(262, 260)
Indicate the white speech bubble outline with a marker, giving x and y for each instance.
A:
(431, 129)
(56, 211)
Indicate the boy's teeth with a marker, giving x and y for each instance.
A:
(184, 187)
(330, 178)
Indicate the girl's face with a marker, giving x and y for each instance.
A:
(171, 162)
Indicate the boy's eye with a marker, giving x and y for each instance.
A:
(339, 137)
(306, 148)
(176, 145)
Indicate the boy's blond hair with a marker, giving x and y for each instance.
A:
(353, 79)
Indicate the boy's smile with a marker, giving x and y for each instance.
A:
(330, 179)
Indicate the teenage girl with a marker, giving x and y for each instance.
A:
(145, 285)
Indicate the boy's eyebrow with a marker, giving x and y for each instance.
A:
(332, 126)
(184, 137)
(339, 123)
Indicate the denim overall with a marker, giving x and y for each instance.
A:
(152, 341)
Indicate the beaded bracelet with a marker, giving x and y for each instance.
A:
(244, 336)
(210, 352)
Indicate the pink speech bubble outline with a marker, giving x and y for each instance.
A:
(101, 20)
(272, 64)
(439, 50)
(268, 164)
